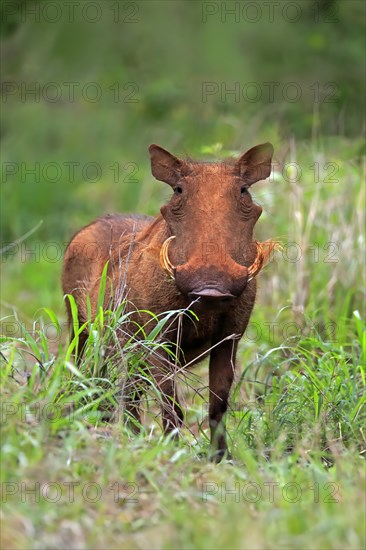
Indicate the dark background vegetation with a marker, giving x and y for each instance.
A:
(163, 53)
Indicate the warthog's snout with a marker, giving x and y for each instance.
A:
(212, 285)
(211, 295)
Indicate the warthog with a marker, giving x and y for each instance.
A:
(198, 253)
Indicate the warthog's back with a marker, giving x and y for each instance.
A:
(92, 246)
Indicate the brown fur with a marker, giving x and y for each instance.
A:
(212, 217)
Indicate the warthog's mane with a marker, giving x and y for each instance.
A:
(230, 161)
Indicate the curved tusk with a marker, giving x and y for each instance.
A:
(257, 265)
(165, 263)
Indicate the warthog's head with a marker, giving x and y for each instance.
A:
(211, 216)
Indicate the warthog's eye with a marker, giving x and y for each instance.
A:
(178, 190)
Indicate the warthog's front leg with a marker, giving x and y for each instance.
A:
(132, 405)
(221, 376)
(172, 414)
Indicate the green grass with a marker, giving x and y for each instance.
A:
(68, 479)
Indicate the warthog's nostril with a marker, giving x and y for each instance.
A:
(211, 294)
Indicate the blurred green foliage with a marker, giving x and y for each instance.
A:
(164, 72)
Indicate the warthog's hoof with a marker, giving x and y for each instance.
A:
(219, 455)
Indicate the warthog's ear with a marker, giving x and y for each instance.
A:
(164, 166)
(255, 164)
